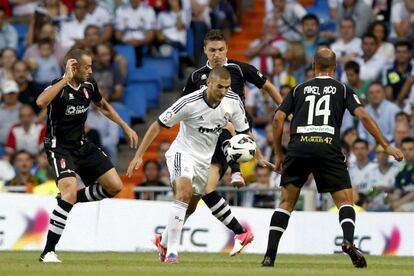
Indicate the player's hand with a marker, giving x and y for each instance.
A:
(396, 153)
(132, 137)
(134, 165)
(262, 161)
(70, 69)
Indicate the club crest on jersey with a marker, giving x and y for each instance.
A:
(62, 163)
(86, 93)
(167, 116)
(357, 99)
(260, 74)
(71, 96)
(227, 116)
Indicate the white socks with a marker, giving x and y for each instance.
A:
(175, 226)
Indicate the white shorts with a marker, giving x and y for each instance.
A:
(183, 165)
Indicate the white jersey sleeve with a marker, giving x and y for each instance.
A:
(175, 113)
(238, 116)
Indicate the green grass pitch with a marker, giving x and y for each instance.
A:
(109, 263)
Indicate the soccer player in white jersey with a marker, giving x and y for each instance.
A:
(202, 115)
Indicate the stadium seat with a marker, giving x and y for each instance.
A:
(167, 67)
(135, 100)
(21, 30)
(125, 113)
(2, 151)
(189, 49)
(128, 52)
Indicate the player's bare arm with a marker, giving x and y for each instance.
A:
(273, 92)
(50, 93)
(150, 135)
(374, 130)
(278, 122)
(110, 113)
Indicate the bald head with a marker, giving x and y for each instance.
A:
(324, 60)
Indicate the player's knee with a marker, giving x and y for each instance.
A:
(185, 194)
(115, 187)
(69, 195)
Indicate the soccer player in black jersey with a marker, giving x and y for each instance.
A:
(215, 48)
(317, 107)
(69, 152)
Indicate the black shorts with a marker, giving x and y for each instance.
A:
(330, 173)
(88, 161)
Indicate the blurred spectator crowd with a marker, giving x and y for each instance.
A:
(36, 34)
(372, 40)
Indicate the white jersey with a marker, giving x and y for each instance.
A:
(377, 178)
(201, 124)
(359, 176)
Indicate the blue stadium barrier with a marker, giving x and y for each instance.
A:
(135, 100)
(125, 113)
(21, 30)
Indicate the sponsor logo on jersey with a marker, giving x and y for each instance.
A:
(74, 110)
(312, 90)
(62, 163)
(85, 91)
(217, 129)
(318, 129)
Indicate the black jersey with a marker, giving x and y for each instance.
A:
(318, 106)
(67, 114)
(240, 73)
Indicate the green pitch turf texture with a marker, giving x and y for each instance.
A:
(109, 263)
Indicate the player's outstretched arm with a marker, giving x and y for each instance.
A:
(374, 130)
(273, 92)
(50, 92)
(150, 135)
(278, 121)
(110, 113)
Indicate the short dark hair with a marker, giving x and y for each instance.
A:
(403, 114)
(360, 140)
(310, 16)
(324, 61)
(214, 35)
(220, 72)
(376, 83)
(352, 65)
(76, 53)
(348, 18)
(17, 153)
(407, 140)
(47, 41)
(91, 26)
(403, 43)
(368, 35)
